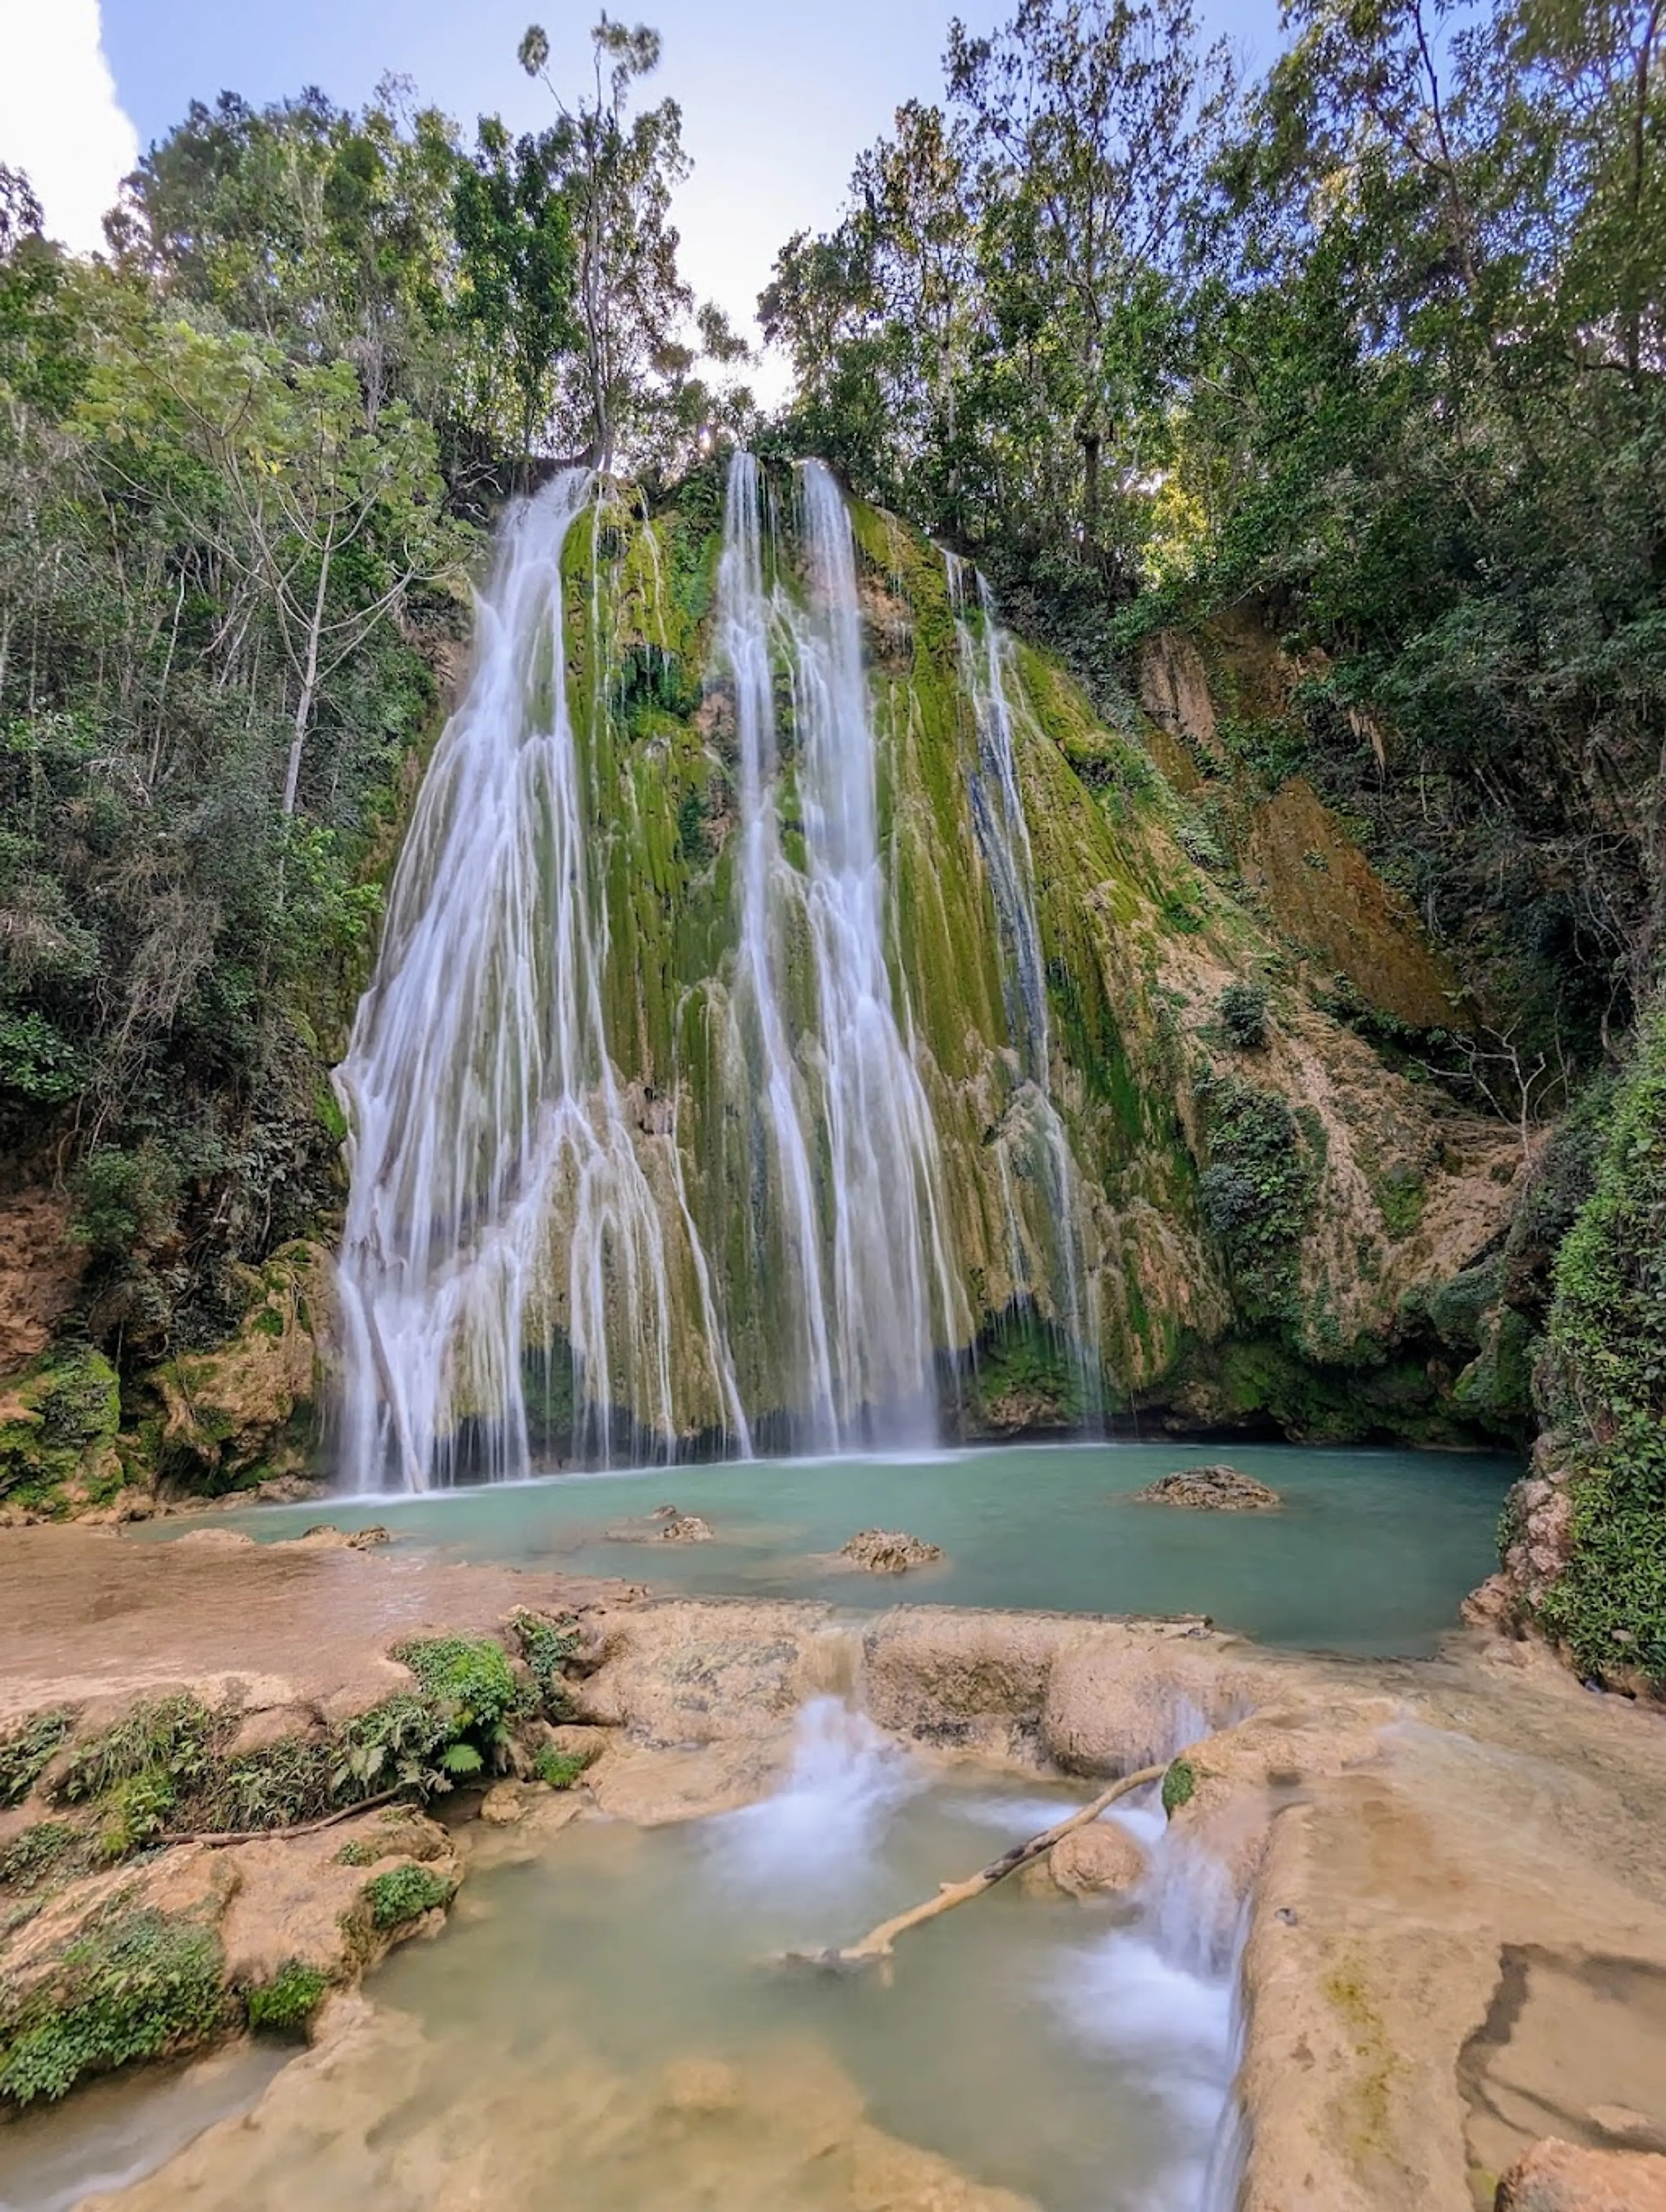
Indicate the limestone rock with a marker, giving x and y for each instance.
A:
(1214, 1489)
(248, 1406)
(1558, 2176)
(1097, 1860)
(503, 1805)
(666, 1524)
(888, 1551)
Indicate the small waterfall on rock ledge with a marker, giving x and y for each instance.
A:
(494, 1173)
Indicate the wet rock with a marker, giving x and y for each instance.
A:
(503, 1805)
(1558, 2176)
(1096, 1861)
(888, 1551)
(681, 1672)
(1212, 1489)
(666, 1524)
(324, 1536)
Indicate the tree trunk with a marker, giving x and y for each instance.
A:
(308, 688)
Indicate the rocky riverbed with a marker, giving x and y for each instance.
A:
(1457, 1909)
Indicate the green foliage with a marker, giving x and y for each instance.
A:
(1179, 1785)
(159, 1738)
(1243, 1013)
(1603, 1380)
(285, 2006)
(548, 1647)
(135, 1985)
(32, 1855)
(404, 1894)
(1257, 1193)
(25, 1751)
(562, 1769)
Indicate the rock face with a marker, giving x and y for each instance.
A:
(233, 1417)
(1216, 1489)
(58, 1420)
(888, 1551)
(1558, 2177)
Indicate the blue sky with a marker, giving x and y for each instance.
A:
(777, 98)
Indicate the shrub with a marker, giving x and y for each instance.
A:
(166, 1736)
(25, 1753)
(562, 1769)
(136, 1984)
(547, 1646)
(32, 1855)
(1242, 1012)
(1257, 1193)
(1179, 1786)
(474, 1693)
(405, 1893)
(285, 2004)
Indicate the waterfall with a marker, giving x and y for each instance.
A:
(846, 1122)
(1032, 1134)
(498, 1195)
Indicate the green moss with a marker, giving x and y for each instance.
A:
(135, 1985)
(26, 1752)
(405, 1893)
(1179, 1785)
(56, 1449)
(562, 1769)
(285, 2005)
(1604, 1387)
(1257, 1193)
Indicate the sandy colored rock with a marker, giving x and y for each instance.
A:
(682, 1673)
(1558, 2176)
(1097, 1860)
(888, 1551)
(666, 1524)
(1212, 1489)
(503, 1804)
(39, 1270)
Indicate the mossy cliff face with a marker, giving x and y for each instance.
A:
(1264, 1231)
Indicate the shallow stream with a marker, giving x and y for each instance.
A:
(1371, 1552)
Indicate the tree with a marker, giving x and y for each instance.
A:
(516, 267)
(634, 308)
(307, 491)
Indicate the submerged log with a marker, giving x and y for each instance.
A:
(880, 1941)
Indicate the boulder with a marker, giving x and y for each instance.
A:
(1214, 1489)
(888, 1551)
(1559, 2177)
(1097, 1860)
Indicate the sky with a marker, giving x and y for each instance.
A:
(778, 96)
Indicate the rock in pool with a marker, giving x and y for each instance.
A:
(666, 1524)
(888, 1551)
(1218, 1489)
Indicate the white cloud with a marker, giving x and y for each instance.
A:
(60, 120)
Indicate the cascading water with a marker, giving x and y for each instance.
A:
(566, 1236)
(1033, 1139)
(496, 1191)
(855, 1173)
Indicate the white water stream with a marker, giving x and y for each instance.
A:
(1032, 1137)
(496, 1185)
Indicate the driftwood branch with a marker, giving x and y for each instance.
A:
(878, 1944)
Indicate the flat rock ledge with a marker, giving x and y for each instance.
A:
(1216, 1489)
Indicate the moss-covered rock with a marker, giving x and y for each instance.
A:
(228, 1419)
(59, 1418)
